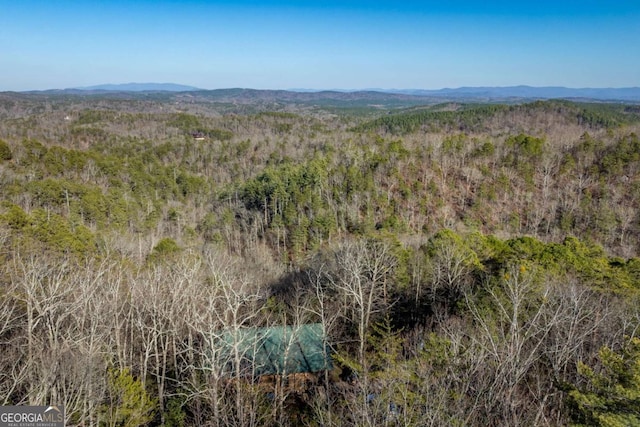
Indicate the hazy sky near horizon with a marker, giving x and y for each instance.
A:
(331, 44)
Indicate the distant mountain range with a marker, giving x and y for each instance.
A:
(368, 96)
(140, 87)
(529, 92)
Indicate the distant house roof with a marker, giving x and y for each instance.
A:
(277, 350)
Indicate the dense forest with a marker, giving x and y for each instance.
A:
(470, 264)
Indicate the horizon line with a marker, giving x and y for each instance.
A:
(309, 89)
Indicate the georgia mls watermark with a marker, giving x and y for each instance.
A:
(32, 416)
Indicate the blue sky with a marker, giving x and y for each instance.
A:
(320, 45)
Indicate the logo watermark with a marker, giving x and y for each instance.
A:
(32, 416)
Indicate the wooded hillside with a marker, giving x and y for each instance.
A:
(471, 264)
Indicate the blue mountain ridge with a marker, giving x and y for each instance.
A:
(140, 87)
(627, 94)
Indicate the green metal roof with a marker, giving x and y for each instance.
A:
(277, 350)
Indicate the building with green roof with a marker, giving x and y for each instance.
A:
(277, 350)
